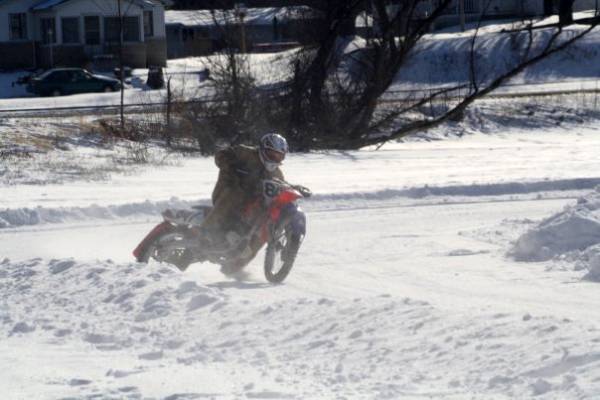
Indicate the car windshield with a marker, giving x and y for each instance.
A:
(44, 74)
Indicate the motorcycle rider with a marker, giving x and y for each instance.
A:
(241, 172)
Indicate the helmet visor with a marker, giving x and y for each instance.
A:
(274, 156)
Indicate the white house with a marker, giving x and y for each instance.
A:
(72, 32)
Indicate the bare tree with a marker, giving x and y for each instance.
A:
(340, 100)
(340, 92)
(234, 109)
(333, 98)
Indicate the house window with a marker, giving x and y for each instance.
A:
(48, 29)
(70, 30)
(148, 24)
(18, 26)
(92, 30)
(131, 29)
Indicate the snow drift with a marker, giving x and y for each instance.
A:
(575, 229)
(10, 218)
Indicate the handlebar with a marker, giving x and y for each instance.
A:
(304, 191)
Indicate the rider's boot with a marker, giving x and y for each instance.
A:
(212, 240)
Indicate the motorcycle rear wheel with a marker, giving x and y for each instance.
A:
(280, 256)
(153, 250)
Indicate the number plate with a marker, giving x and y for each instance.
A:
(270, 190)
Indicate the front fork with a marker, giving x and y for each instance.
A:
(292, 215)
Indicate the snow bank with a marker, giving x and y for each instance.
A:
(590, 260)
(34, 216)
(472, 190)
(576, 229)
(444, 59)
(17, 217)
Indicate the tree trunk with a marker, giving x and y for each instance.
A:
(565, 12)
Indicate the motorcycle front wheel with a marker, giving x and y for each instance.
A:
(280, 256)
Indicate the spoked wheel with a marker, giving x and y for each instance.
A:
(280, 256)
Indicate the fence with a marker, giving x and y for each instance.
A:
(393, 96)
(471, 7)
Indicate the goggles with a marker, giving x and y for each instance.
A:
(274, 156)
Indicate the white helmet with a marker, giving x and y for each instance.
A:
(272, 150)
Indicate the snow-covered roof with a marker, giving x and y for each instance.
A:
(46, 4)
(252, 16)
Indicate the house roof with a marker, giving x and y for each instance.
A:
(253, 16)
(47, 4)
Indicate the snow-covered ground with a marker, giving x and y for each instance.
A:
(407, 285)
(463, 264)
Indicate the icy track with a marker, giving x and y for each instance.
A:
(403, 289)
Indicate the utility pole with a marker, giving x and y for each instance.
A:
(241, 11)
(121, 73)
(51, 48)
(461, 11)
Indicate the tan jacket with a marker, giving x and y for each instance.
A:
(241, 170)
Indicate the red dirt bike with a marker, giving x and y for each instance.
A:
(273, 218)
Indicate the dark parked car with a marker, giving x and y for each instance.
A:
(61, 81)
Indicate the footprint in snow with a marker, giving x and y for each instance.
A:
(356, 335)
(96, 338)
(79, 382)
(62, 332)
(155, 355)
(188, 287)
(127, 389)
(60, 266)
(465, 252)
(200, 301)
(22, 327)
(268, 395)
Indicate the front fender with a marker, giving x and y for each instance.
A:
(296, 217)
